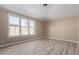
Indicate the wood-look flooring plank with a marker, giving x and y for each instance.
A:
(42, 47)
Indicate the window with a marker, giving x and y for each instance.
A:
(24, 27)
(19, 26)
(13, 26)
(31, 27)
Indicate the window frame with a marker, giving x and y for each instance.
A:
(11, 14)
(24, 26)
(32, 27)
(20, 17)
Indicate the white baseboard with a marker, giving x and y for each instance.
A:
(37, 39)
(63, 40)
(18, 42)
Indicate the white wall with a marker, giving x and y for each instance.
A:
(64, 29)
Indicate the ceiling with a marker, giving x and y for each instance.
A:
(51, 12)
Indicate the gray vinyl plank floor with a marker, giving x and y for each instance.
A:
(42, 47)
